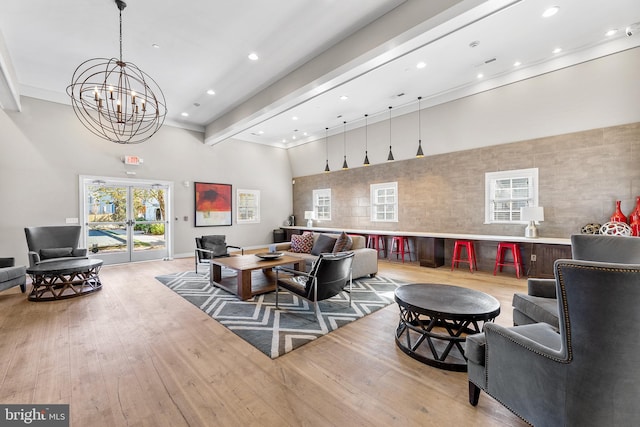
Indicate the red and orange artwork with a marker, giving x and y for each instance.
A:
(213, 204)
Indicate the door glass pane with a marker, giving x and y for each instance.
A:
(107, 213)
(110, 237)
(149, 213)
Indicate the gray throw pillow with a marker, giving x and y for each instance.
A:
(50, 253)
(216, 244)
(323, 245)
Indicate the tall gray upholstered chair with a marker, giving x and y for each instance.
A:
(53, 243)
(584, 375)
(539, 304)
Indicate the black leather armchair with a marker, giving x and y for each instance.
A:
(329, 276)
(539, 304)
(53, 243)
(212, 246)
(584, 375)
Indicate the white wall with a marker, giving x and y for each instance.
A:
(600, 93)
(44, 149)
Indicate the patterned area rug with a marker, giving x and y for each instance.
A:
(276, 332)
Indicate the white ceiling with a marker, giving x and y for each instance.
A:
(366, 50)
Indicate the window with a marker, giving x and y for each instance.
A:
(322, 204)
(248, 206)
(508, 191)
(384, 202)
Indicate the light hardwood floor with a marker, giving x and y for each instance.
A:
(137, 354)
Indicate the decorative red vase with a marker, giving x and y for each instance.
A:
(618, 216)
(634, 219)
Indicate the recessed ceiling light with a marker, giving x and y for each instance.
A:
(260, 132)
(253, 56)
(305, 134)
(155, 46)
(294, 118)
(557, 50)
(344, 97)
(185, 114)
(517, 64)
(293, 137)
(211, 92)
(474, 43)
(611, 32)
(480, 75)
(284, 141)
(421, 64)
(550, 12)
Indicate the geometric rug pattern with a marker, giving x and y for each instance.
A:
(277, 332)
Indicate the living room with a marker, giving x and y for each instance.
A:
(579, 125)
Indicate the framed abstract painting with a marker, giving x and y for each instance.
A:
(213, 204)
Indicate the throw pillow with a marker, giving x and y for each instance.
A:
(215, 243)
(323, 245)
(302, 243)
(343, 243)
(50, 253)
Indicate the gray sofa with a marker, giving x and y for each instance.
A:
(540, 303)
(12, 275)
(365, 261)
(585, 373)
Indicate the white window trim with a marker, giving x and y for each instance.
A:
(491, 177)
(256, 197)
(380, 186)
(319, 193)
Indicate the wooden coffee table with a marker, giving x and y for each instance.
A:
(254, 274)
(435, 319)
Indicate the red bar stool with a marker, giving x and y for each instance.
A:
(456, 259)
(503, 247)
(400, 245)
(377, 242)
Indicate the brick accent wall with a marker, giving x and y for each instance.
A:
(581, 175)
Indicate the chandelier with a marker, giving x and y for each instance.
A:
(115, 99)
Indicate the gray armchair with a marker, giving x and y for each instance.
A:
(53, 243)
(12, 275)
(585, 375)
(539, 304)
(212, 246)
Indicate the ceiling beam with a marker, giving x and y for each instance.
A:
(9, 94)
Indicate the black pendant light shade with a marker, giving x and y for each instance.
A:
(326, 143)
(344, 134)
(390, 156)
(420, 153)
(366, 141)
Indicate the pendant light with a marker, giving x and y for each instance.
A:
(326, 143)
(366, 140)
(115, 99)
(344, 134)
(390, 157)
(419, 153)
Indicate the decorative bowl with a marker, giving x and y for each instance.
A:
(269, 255)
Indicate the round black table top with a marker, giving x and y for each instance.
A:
(447, 301)
(65, 266)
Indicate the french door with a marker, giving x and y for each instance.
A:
(126, 220)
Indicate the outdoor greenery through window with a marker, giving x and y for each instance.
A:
(322, 204)
(508, 191)
(384, 202)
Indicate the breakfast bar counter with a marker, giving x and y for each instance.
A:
(433, 248)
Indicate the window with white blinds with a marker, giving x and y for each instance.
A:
(322, 204)
(384, 202)
(508, 191)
